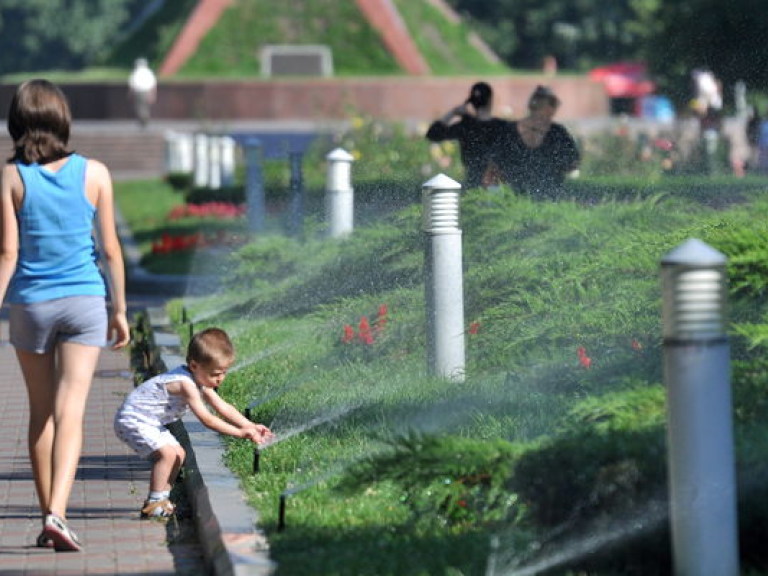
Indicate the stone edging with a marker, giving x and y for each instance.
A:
(226, 525)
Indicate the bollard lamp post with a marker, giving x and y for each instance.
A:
(339, 197)
(699, 422)
(443, 278)
(297, 193)
(254, 185)
(201, 160)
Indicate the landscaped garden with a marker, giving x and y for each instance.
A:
(551, 456)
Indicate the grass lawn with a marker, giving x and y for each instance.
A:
(385, 469)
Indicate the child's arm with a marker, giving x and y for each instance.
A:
(230, 417)
(190, 393)
(224, 408)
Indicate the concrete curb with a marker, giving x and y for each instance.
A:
(226, 524)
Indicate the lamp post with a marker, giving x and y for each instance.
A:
(700, 431)
(339, 197)
(254, 185)
(444, 278)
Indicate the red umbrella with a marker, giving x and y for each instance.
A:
(624, 79)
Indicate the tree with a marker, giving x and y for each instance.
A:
(58, 34)
(726, 37)
(580, 34)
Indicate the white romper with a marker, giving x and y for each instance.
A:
(140, 421)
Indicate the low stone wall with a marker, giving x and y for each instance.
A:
(391, 98)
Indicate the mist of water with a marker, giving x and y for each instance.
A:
(562, 552)
(331, 416)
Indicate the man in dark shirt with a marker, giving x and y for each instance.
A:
(475, 132)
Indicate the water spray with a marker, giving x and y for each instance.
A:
(313, 423)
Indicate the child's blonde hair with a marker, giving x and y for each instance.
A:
(211, 345)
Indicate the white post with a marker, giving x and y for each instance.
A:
(339, 197)
(254, 185)
(214, 162)
(172, 152)
(444, 278)
(185, 153)
(700, 432)
(201, 160)
(227, 160)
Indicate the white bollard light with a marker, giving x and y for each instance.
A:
(227, 160)
(254, 185)
(186, 153)
(200, 178)
(701, 460)
(444, 278)
(214, 162)
(339, 196)
(172, 152)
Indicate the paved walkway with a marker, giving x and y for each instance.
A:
(110, 486)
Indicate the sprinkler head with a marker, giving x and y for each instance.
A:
(281, 514)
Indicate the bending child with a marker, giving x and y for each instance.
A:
(141, 420)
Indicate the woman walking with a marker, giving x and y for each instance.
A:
(54, 205)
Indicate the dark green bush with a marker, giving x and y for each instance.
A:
(201, 195)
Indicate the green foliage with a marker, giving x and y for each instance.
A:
(230, 194)
(536, 446)
(38, 34)
(154, 38)
(446, 45)
(458, 481)
(232, 47)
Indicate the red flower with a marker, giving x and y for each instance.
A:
(349, 334)
(381, 318)
(474, 328)
(364, 332)
(636, 345)
(584, 360)
(224, 210)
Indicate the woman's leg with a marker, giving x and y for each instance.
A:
(76, 365)
(39, 372)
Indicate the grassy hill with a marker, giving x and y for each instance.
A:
(556, 438)
(231, 48)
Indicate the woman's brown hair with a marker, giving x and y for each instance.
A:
(38, 122)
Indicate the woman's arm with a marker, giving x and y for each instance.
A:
(100, 192)
(9, 235)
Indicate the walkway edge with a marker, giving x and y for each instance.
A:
(226, 524)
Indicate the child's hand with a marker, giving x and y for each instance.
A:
(259, 434)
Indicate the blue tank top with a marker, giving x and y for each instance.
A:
(57, 250)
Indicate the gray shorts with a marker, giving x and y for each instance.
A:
(39, 326)
(143, 438)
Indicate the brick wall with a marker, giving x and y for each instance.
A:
(391, 98)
